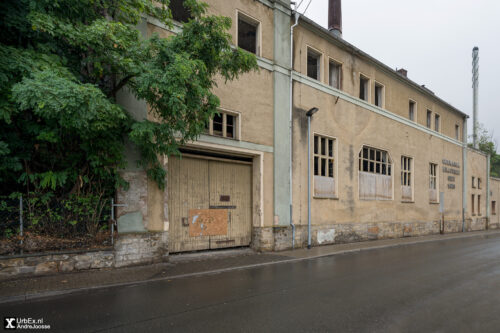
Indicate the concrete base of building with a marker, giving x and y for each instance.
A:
(278, 238)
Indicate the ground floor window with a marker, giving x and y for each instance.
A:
(433, 182)
(494, 207)
(406, 178)
(375, 174)
(324, 166)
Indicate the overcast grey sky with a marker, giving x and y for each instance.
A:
(433, 40)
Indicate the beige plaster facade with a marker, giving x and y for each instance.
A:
(352, 124)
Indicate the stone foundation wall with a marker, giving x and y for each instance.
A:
(53, 263)
(129, 249)
(279, 238)
(141, 248)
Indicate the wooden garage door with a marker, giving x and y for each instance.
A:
(209, 204)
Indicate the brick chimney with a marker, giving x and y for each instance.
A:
(403, 72)
(335, 17)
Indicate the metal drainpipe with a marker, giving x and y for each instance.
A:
(290, 125)
(488, 205)
(308, 182)
(464, 173)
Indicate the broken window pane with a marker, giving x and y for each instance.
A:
(313, 65)
(180, 13)
(217, 125)
(247, 35)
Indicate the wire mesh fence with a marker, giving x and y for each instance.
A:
(30, 225)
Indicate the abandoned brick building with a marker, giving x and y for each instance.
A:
(244, 182)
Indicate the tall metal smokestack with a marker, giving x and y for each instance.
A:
(335, 17)
(475, 86)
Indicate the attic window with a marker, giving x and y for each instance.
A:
(363, 87)
(248, 34)
(379, 95)
(180, 13)
(411, 110)
(313, 64)
(335, 72)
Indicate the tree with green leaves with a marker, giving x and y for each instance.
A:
(487, 145)
(62, 63)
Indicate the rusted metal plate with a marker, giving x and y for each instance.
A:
(207, 222)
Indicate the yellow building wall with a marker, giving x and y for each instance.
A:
(397, 91)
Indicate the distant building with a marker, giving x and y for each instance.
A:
(388, 154)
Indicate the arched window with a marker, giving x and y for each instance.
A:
(375, 174)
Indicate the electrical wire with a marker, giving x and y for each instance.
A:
(306, 7)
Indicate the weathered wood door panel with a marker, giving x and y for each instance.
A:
(209, 204)
(231, 189)
(187, 189)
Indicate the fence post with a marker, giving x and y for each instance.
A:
(21, 220)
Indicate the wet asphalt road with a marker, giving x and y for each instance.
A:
(447, 286)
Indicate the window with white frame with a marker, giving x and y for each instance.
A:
(313, 64)
(364, 87)
(411, 110)
(375, 174)
(433, 182)
(224, 124)
(406, 178)
(248, 33)
(379, 95)
(324, 167)
(335, 74)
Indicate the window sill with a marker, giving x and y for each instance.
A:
(335, 197)
(473, 214)
(407, 201)
(220, 136)
(434, 202)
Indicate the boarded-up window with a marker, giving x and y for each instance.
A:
(375, 174)
(406, 178)
(411, 111)
(313, 64)
(379, 95)
(248, 34)
(223, 124)
(433, 182)
(324, 167)
(335, 72)
(429, 118)
(363, 87)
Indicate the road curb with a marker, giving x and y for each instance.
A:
(83, 290)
